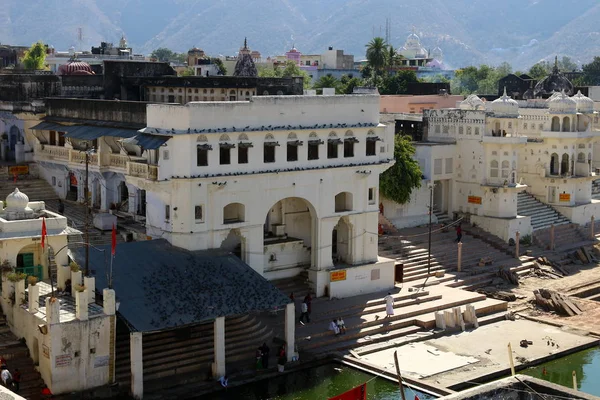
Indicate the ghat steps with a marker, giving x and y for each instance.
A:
(566, 236)
(36, 189)
(542, 215)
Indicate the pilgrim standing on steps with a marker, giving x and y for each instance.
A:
(389, 305)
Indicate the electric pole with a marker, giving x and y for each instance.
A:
(87, 211)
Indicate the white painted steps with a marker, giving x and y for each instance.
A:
(542, 215)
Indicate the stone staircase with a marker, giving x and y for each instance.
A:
(17, 356)
(36, 189)
(596, 189)
(442, 217)
(542, 215)
(183, 357)
(412, 252)
(387, 225)
(299, 285)
(566, 236)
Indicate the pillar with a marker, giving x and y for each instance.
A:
(90, 283)
(133, 198)
(105, 197)
(592, 234)
(34, 298)
(52, 310)
(552, 237)
(137, 365)
(517, 243)
(218, 366)
(459, 262)
(109, 302)
(63, 274)
(19, 292)
(75, 280)
(81, 305)
(290, 330)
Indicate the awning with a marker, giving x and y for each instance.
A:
(227, 145)
(351, 140)
(245, 145)
(295, 143)
(86, 132)
(147, 142)
(373, 139)
(316, 141)
(271, 144)
(334, 141)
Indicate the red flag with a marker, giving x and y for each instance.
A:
(416, 397)
(113, 244)
(358, 393)
(43, 232)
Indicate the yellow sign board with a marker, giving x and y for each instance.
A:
(18, 169)
(566, 197)
(336, 276)
(474, 200)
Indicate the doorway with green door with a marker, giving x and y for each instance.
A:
(29, 261)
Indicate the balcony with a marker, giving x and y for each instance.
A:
(144, 171)
(55, 152)
(118, 161)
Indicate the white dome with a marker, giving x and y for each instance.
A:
(584, 104)
(437, 54)
(505, 106)
(562, 104)
(17, 201)
(413, 41)
(472, 102)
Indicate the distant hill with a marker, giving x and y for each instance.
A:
(521, 32)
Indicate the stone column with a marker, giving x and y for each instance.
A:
(75, 280)
(133, 198)
(290, 330)
(552, 237)
(517, 239)
(459, 262)
(218, 366)
(105, 197)
(19, 292)
(34, 298)
(109, 302)
(592, 234)
(137, 365)
(52, 311)
(63, 274)
(81, 305)
(90, 283)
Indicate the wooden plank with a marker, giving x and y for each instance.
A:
(581, 256)
(587, 254)
(572, 306)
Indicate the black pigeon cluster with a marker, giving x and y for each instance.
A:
(271, 128)
(276, 171)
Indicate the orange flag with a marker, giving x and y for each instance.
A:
(358, 393)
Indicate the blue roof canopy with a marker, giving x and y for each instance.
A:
(85, 132)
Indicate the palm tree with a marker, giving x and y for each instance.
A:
(376, 53)
(328, 81)
(391, 57)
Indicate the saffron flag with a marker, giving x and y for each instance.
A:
(113, 244)
(43, 232)
(358, 393)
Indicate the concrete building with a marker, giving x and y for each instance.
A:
(68, 336)
(285, 177)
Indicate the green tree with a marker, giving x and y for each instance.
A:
(221, 67)
(437, 78)
(591, 72)
(348, 83)
(35, 57)
(398, 182)
(376, 54)
(328, 81)
(392, 57)
(482, 80)
(289, 70)
(397, 83)
(538, 71)
(163, 54)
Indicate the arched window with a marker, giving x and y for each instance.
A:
(332, 145)
(445, 129)
(269, 146)
(554, 164)
(343, 202)
(234, 213)
(468, 130)
(476, 131)
(497, 124)
(581, 157)
(505, 169)
(212, 91)
(461, 130)
(494, 169)
(564, 164)
(555, 124)
(566, 124)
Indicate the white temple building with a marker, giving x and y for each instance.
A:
(484, 158)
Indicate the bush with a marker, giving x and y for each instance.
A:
(79, 288)
(16, 276)
(74, 267)
(32, 280)
(525, 240)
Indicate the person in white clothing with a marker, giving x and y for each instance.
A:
(334, 327)
(224, 381)
(389, 305)
(6, 376)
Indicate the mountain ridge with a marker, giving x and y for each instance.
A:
(520, 32)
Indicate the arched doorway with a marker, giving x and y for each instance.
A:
(14, 137)
(564, 165)
(555, 124)
(341, 242)
(30, 261)
(288, 236)
(235, 243)
(554, 164)
(123, 192)
(566, 124)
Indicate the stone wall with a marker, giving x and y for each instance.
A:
(126, 113)
(17, 88)
(115, 71)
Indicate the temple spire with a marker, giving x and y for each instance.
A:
(245, 43)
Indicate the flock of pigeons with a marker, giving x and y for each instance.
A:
(262, 128)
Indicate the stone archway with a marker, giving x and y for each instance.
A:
(31, 261)
(341, 242)
(235, 243)
(288, 240)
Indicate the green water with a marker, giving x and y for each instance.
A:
(319, 383)
(585, 363)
